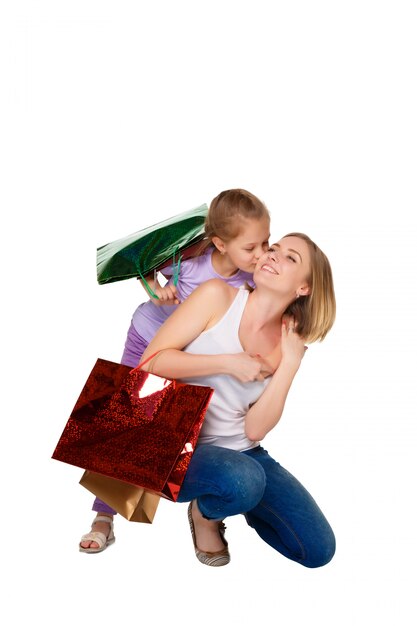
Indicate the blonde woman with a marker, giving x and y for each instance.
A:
(248, 345)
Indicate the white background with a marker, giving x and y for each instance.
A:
(116, 115)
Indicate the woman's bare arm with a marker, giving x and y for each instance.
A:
(266, 412)
(201, 310)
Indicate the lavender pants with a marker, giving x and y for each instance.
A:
(134, 348)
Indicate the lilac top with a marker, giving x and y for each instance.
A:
(148, 318)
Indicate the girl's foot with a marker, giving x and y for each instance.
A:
(101, 535)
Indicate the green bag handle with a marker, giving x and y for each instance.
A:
(175, 264)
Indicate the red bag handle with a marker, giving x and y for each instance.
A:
(145, 361)
(174, 382)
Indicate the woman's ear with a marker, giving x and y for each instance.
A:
(219, 243)
(304, 290)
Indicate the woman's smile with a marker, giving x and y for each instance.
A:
(268, 268)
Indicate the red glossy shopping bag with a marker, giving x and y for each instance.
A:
(120, 430)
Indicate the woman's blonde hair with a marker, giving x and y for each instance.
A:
(315, 313)
(224, 212)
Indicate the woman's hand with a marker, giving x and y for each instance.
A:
(247, 368)
(292, 345)
(266, 412)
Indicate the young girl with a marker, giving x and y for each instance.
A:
(236, 235)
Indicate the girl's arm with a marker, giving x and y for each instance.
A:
(266, 412)
(166, 295)
(201, 310)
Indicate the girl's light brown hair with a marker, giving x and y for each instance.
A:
(224, 212)
(315, 313)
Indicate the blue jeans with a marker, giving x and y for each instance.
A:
(274, 503)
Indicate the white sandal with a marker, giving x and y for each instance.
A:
(98, 537)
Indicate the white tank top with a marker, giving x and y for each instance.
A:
(224, 423)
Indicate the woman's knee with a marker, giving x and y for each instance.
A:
(225, 482)
(246, 481)
(240, 480)
(321, 551)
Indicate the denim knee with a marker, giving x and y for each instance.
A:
(246, 481)
(321, 552)
(243, 482)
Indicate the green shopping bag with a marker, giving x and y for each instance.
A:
(151, 248)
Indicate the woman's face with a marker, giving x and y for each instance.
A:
(285, 266)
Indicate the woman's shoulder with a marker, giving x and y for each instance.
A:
(213, 294)
(214, 297)
(217, 287)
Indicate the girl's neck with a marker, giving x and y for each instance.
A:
(222, 264)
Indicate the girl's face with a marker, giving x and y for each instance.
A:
(245, 250)
(285, 266)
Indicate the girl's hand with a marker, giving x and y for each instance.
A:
(167, 295)
(292, 345)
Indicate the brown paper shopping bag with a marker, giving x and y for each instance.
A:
(134, 503)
